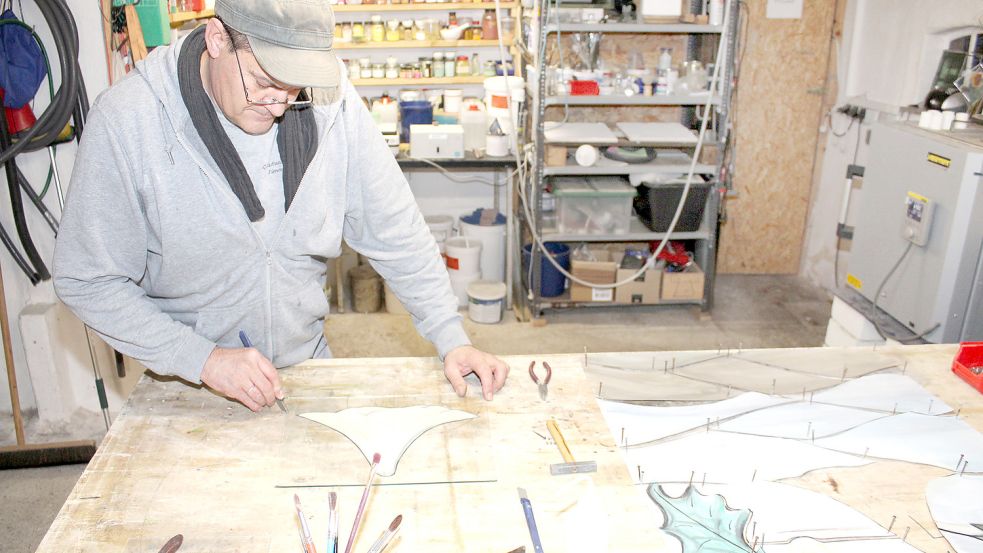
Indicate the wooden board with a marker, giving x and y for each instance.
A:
(777, 115)
(182, 460)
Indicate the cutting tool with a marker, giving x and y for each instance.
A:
(541, 384)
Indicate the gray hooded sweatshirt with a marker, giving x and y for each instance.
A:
(157, 255)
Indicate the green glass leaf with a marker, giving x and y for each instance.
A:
(703, 524)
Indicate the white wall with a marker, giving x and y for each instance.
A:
(886, 59)
(19, 292)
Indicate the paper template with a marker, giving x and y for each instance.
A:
(939, 441)
(642, 424)
(799, 420)
(956, 503)
(388, 431)
(890, 393)
(724, 457)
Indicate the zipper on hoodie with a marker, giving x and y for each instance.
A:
(269, 303)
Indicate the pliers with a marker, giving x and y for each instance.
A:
(541, 384)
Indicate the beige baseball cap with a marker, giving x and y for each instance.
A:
(291, 39)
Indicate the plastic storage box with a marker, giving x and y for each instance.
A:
(594, 205)
(657, 204)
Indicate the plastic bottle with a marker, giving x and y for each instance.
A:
(715, 12)
(475, 123)
(665, 59)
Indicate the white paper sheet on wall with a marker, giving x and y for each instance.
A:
(784, 9)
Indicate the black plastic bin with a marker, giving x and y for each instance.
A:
(656, 205)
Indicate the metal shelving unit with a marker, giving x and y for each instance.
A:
(674, 163)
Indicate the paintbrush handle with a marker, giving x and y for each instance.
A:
(561, 443)
(361, 509)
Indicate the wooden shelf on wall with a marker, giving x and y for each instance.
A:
(420, 6)
(415, 44)
(421, 82)
(180, 17)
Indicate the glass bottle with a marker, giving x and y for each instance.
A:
(438, 64)
(358, 31)
(426, 67)
(393, 33)
(378, 30)
(489, 27)
(450, 61)
(346, 32)
(452, 19)
(407, 26)
(475, 64)
(463, 67)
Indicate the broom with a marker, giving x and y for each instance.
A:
(23, 454)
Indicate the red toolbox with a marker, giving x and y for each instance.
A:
(968, 364)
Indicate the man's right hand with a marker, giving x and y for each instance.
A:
(244, 375)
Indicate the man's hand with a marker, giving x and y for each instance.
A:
(243, 375)
(465, 360)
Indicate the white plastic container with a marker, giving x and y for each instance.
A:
(475, 122)
(595, 205)
(486, 301)
(496, 145)
(463, 255)
(452, 100)
(442, 228)
(459, 284)
(492, 238)
(498, 91)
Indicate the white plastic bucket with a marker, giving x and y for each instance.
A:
(492, 238)
(459, 284)
(486, 301)
(441, 227)
(463, 255)
(498, 90)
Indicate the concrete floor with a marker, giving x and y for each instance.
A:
(750, 312)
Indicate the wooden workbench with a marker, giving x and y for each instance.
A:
(181, 460)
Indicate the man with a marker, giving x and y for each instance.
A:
(208, 194)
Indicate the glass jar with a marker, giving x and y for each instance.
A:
(463, 67)
(407, 26)
(378, 71)
(392, 71)
(405, 71)
(450, 61)
(438, 64)
(358, 31)
(475, 64)
(366, 72)
(354, 69)
(393, 33)
(346, 32)
(416, 70)
(489, 27)
(377, 29)
(489, 68)
(507, 29)
(426, 68)
(452, 19)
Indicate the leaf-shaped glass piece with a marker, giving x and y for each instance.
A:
(703, 524)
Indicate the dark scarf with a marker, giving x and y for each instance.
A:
(296, 139)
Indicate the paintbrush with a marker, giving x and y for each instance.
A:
(247, 343)
(386, 536)
(361, 505)
(332, 522)
(305, 531)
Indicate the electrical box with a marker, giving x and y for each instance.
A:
(938, 178)
(437, 141)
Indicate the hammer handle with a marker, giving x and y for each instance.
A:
(561, 443)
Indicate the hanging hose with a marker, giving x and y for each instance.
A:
(39, 271)
(70, 99)
(35, 198)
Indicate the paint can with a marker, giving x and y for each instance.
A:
(463, 255)
(496, 145)
(459, 284)
(486, 301)
(452, 100)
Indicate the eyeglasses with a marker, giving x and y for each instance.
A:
(305, 92)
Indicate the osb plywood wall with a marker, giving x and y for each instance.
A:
(778, 111)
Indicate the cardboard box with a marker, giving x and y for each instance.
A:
(601, 271)
(687, 285)
(646, 289)
(556, 156)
